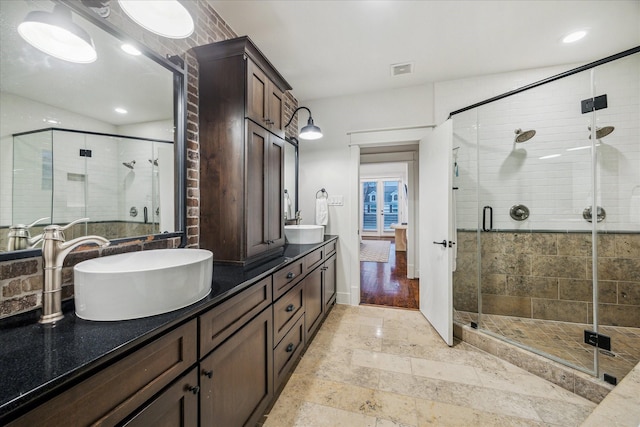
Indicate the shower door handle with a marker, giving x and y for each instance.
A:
(443, 243)
(484, 218)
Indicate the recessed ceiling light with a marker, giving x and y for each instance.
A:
(574, 37)
(51, 121)
(130, 49)
(120, 110)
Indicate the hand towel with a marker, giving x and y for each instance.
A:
(322, 211)
(287, 206)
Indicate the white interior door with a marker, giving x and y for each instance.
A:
(436, 252)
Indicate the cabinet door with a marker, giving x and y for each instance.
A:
(329, 280)
(313, 303)
(257, 190)
(258, 94)
(276, 191)
(177, 406)
(276, 110)
(237, 378)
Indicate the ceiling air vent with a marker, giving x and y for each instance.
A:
(399, 69)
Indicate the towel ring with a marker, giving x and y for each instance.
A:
(323, 193)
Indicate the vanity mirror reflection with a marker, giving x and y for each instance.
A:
(290, 197)
(103, 140)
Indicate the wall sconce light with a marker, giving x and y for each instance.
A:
(167, 18)
(54, 33)
(310, 131)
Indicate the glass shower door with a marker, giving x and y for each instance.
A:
(534, 181)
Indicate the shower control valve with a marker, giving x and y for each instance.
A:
(519, 212)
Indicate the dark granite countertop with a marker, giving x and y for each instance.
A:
(38, 361)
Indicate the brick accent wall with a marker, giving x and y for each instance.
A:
(21, 280)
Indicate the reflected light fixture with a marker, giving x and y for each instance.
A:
(310, 131)
(130, 49)
(167, 18)
(55, 34)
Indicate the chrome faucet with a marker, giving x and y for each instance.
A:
(54, 251)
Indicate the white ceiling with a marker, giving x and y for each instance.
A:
(333, 48)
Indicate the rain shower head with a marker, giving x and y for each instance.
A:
(602, 132)
(130, 164)
(524, 136)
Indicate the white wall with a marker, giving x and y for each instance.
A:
(326, 163)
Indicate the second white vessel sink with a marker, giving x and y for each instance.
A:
(141, 284)
(304, 234)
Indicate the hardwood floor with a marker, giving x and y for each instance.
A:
(387, 284)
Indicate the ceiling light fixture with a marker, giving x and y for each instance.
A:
(574, 37)
(55, 34)
(167, 18)
(310, 131)
(120, 110)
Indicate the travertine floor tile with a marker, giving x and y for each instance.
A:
(382, 367)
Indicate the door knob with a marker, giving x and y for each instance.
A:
(443, 243)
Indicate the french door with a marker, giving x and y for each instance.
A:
(380, 206)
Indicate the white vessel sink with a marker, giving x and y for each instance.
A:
(141, 284)
(304, 234)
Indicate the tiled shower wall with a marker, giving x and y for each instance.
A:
(542, 267)
(21, 280)
(548, 275)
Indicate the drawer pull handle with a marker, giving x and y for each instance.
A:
(289, 348)
(290, 308)
(193, 389)
(208, 374)
(290, 275)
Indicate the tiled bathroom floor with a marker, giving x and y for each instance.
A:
(379, 367)
(566, 340)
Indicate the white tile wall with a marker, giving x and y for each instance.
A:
(557, 189)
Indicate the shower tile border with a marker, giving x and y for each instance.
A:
(568, 378)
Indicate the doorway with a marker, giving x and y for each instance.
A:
(383, 207)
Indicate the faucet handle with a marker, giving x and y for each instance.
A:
(55, 231)
(37, 221)
(72, 223)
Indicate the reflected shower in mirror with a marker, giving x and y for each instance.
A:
(67, 128)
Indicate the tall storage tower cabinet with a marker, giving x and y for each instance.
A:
(241, 110)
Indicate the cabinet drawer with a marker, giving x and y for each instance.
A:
(330, 248)
(176, 406)
(286, 353)
(286, 310)
(314, 259)
(286, 278)
(222, 321)
(112, 394)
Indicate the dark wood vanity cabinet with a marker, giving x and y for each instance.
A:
(241, 152)
(236, 379)
(222, 367)
(110, 396)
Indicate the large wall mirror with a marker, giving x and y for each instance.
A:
(101, 140)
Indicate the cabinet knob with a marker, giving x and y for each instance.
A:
(289, 348)
(193, 389)
(290, 307)
(206, 373)
(290, 275)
